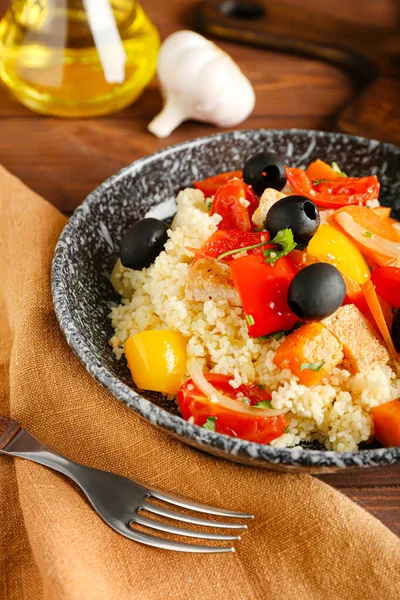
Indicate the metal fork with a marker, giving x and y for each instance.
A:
(118, 500)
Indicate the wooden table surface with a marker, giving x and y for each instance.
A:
(65, 159)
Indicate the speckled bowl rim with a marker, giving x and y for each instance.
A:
(227, 446)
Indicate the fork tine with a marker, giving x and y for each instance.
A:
(156, 542)
(197, 506)
(171, 514)
(140, 520)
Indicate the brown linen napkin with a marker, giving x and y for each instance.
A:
(307, 542)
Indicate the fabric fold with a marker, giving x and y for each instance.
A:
(307, 541)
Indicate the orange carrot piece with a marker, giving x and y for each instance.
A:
(309, 345)
(373, 223)
(374, 305)
(321, 170)
(387, 423)
(370, 220)
(383, 211)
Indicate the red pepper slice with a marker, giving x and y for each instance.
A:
(210, 185)
(387, 283)
(224, 241)
(263, 290)
(228, 202)
(334, 193)
(194, 403)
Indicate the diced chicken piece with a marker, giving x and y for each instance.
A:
(211, 280)
(268, 199)
(310, 353)
(363, 348)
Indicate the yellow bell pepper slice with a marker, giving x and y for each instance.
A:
(157, 360)
(332, 246)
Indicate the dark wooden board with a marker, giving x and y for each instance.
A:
(65, 160)
(284, 26)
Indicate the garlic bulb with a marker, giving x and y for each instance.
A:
(199, 81)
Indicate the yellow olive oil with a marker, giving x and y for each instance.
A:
(77, 58)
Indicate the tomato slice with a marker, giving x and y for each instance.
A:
(223, 241)
(210, 185)
(252, 199)
(194, 403)
(387, 283)
(263, 290)
(334, 193)
(230, 202)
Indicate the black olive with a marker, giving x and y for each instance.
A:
(142, 243)
(396, 330)
(296, 212)
(316, 292)
(264, 170)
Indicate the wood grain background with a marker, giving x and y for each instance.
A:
(65, 159)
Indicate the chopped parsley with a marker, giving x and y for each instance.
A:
(229, 252)
(260, 385)
(210, 423)
(263, 404)
(368, 234)
(209, 203)
(277, 335)
(245, 401)
(338, 170)
(259, 229)
(250, 319)
(318, 181)
(284, 239)
(312, 366)
(286, 430)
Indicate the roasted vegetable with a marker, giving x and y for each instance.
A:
(387, 423)
(235, 202)
(210, 185)
(387, 284)
(377, 313)
(243, 412)
(334, 193)
(320, 170)
(222, 242)
(310, 353)
(157, 360)
(374, 236)
(263, 290)
(332, 246)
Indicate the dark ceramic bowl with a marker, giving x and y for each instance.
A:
(88, 249)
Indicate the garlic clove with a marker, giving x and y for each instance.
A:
(199, 81)
(171, 116)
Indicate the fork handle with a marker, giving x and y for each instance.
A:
(16, 441)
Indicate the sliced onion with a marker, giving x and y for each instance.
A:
(211, 392)
(376, 243)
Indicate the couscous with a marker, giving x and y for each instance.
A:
(299, 366)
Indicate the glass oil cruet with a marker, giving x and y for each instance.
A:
(77, 58)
